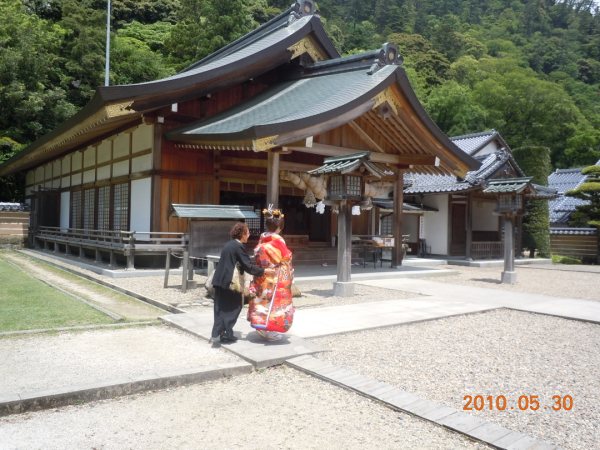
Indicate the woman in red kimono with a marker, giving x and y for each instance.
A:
(271, 311)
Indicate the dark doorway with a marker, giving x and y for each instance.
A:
(45, 209)
(458, 234)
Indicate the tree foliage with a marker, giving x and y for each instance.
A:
(535, 162)
(528, 68)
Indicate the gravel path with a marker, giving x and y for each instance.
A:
(581, 282)
(504, 352)
(31, 363)
(261, 410)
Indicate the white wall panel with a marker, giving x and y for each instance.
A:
(121, 145)
(89, 157)
(65, 207)
(141, 191)
(436, 224)
(120, 168)
(142, 138)
(104, 151)
(103, 173)
(141, 163)
(89, 176)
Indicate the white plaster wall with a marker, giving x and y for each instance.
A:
(491, 147)
(141, 191)
(103, 172)
(483, 216)
(436, 224)
(143, 137)
(65, 207)
(141, 163)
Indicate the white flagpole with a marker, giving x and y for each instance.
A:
(107, 65)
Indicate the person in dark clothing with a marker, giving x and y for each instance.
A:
(228, 303)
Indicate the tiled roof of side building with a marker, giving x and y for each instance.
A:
(470, 143)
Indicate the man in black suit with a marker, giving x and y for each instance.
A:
(228, 303)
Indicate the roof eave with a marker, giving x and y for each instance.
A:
(465, 163)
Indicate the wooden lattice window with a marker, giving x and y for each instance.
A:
(104, 208)
(385, 226)
(89, 208)
(121, 206)
(75, 213)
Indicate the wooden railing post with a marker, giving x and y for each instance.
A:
(131, 254)
(184, 270)
(167, 267)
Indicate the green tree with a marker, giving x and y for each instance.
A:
(451, 107)
(204, 26)
(134, 62)
(84, 48)
(32, 100)
(535, 162)
(588, 214)
(419, 54)
(11, 186)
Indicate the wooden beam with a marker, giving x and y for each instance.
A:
(365, 136)
(386, 158)
(262, 163)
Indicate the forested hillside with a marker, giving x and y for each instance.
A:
(528, 68)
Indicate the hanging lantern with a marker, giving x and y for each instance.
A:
(345, 187)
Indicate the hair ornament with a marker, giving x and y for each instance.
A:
(275, 213)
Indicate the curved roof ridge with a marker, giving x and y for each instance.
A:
(279, 21)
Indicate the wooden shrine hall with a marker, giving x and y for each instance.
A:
(243, 126)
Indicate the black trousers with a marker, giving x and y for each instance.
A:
(227, 308)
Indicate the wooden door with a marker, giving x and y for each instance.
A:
(458, 232)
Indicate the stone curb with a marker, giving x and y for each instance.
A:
(158, 304)
(400, 400)
(161, 379)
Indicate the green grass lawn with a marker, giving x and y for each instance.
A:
(27, 304)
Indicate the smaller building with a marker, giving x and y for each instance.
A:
(457, 217)
(566, 240)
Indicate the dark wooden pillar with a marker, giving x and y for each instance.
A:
(343, 287)
(273, 178)
(397, 251)
(469, 225)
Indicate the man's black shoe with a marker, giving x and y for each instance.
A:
(228, 339)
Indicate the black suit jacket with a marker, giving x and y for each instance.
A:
(233, 253)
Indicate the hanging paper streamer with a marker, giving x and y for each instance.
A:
(356, 210)
(320, 207)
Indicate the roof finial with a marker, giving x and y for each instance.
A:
(388, 55)
(302, 8)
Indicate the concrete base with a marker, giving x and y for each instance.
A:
(509, 277)
(343, 288)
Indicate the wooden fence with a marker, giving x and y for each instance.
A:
(14, 227)
(111, 243)
(579, 243)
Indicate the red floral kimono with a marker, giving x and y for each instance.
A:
(272, 309)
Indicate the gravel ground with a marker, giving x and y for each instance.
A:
(504, 352)
(558, 280)
(260, 410)
(31, 362)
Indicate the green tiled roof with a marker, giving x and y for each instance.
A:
(213, 211)
(350, 163)
(292, 105)
(508, 185)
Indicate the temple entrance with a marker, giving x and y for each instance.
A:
(458, 235)
(299, 220)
